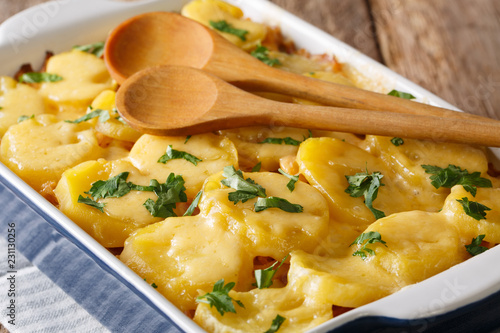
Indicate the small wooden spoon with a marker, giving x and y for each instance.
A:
(176, 100)
(164, 38)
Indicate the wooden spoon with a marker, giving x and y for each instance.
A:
(176, 100)
(164, 38)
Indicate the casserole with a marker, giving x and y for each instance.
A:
(59, 25)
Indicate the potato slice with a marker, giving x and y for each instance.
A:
(325, 162)
(468, 226)
(215, 152)
(121, 217)
(182, 255)
(251, 151)
(301, 312)
(17, 99)
(84, 77)
(407, 159)
(39, 150)
(419, 245)
(205, 11)
(272, 232)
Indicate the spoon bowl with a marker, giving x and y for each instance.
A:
(176, 100)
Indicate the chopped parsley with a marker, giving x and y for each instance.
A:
(257, 167)
(114, 187)
(401, 94)
(262, 54)
(172, 154)
(245, 188)
(223, 26)
(88, 201)
(475, 248)
(24, 117)
(454, 175)
(96, 49)
(279, 141)
(367, 185)
(154, 285)
(397, 141)
(169, 194)
(473, 209)
(275, 202)
(264, 277)
(276, 324)
(364, 240)
(293, 180)
(219, 297)
(36, 77)
(187, 139)
(193, 204)
(103, 116)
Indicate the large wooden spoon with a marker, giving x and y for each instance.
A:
(164, 38)
(176, 100)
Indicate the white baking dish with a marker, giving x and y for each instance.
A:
(61, 24)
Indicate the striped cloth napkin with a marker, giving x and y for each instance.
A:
(53, 286)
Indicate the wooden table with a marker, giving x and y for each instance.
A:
(450, 47)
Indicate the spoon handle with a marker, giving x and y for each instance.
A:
(266, 78)
(425, 127)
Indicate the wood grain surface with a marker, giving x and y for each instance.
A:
(450, 47)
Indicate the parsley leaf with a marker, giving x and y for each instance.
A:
(169, 194)
(256, 167)
(219, 297)
(91, 203)
(401, 94)
(264, 277)
(397, 141)
(36, 77)
(245, 188)
(114, 187)
(454, 175)
(364, 184)
(24, 117)
(364, 240)
(193, 204)
(173, 154)
(275, 202)
(293, 180)
(474, 209)
(96, 49)
(262, 54)
(223, 26)
(102, 114)
(276, 324)
(278, 141)
(475, 248)
(187, 139)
